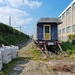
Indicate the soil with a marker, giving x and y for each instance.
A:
(35, 67)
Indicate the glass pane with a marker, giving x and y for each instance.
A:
(69, 29)
(73, 27)
(46, 29)
(74, 6)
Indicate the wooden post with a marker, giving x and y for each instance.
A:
(46, 50)
(61, 49)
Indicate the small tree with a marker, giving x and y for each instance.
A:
(73, 40)
(70, 37)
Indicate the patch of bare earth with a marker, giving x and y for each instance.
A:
(35, 67)
(62, 67)
(30, 67)
(26, 50)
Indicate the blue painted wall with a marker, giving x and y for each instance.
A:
(40, 31)
(54, 31)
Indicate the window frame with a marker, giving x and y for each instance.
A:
(63, 30)
(73, 6)
(73, 27)
(68, 11)
(63, 15)
(68, 29)
(59, 32)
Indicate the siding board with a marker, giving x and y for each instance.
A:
(54, 31)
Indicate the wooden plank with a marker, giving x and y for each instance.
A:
(61, 49)
(46, 50)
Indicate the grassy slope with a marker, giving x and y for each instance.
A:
(9, 35)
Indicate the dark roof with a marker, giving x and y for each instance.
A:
(49, 20)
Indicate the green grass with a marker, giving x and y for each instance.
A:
(36, 55)
(8, 67)
(11, 36)
(68, 48)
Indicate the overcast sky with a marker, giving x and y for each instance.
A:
(25, 13)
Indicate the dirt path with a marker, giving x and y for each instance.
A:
(26, 50)
(33, 67)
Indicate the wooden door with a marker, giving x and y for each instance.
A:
(46, 32)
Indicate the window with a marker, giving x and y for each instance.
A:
(73, 27)
(60, 17)
(68, 29)
(46, 29)
(63, 30)
(73, 6)
(59, 32)
(68, 10)
(63, 15)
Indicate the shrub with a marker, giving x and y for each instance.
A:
(73, 40)
(70, 36)
(66, 46)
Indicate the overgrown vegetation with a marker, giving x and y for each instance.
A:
(71, 38)
(8, 67)
(36, 55)
(68, 48)
(11, 36)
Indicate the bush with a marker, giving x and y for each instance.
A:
(66, 46)
(73, 41)
(3, 41)
(70, 36)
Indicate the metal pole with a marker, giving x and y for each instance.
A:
(10, 20)
(20, 28)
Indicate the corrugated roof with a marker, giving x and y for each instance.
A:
(50, 20)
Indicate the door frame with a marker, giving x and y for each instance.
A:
(44, 31)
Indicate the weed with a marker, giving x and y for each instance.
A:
(8, 67)
(36, 54)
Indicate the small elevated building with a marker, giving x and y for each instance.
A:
(46, 31)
